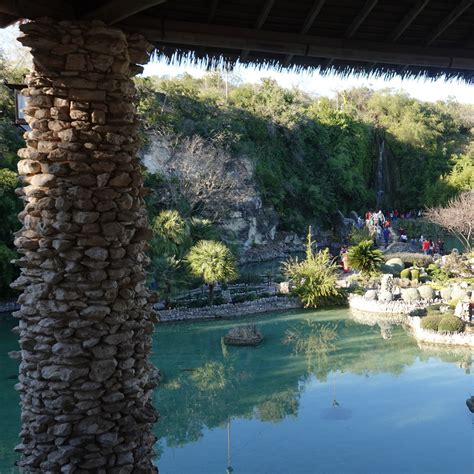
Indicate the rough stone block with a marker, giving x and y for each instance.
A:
(87, 95)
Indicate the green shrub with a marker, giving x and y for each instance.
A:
(357, 236)
(314, 278)
(405, 274)
(451, 324)
(365, 258)
(252, 296)
(415, 273)
(434, 308)
(431, 322)
(437, 273)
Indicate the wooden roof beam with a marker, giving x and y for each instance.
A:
(118, 10)
(212, 11)
(26, 9)
(359, 19)
(407, 20)
(189, 35)
(449, 20)
(308, 23)
(312, 15)
(262, 18)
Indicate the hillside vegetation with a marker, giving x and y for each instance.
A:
(303, 157)
(312, 155)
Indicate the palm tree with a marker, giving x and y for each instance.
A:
(170, 231)
(213, 262)
(365, 258)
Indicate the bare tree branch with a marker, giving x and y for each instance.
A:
(457, 217)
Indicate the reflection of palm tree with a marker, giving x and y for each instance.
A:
(313, 338)
(279, 405)
(335, 403)
(229, 469)
(336, 412)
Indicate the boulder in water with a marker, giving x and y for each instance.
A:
(243, 336)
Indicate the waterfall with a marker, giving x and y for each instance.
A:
(380, 180)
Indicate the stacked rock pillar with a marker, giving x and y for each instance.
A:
(85, 319)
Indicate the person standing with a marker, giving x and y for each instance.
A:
(386, 236)
(426, 246)
(441, 246)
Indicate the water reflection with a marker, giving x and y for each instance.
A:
(315, 341)
(207, 384)
(317, 379)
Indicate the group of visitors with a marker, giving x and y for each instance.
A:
(429, 246)
(374, 218)
(380, 225)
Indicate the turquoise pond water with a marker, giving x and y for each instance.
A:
(322, 394)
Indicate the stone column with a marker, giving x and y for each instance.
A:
(85, 319)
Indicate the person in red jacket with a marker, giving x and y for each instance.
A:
(426, 246)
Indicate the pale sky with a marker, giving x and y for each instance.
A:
(313, 83)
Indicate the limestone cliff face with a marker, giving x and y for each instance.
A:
(215, 184)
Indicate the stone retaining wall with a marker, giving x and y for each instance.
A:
(230, 310)
(397, 312)
(360, 303)
(425, 335)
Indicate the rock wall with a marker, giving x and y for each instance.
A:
(365, 305)
(85, 318)
(229, 311)
(220, 186)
